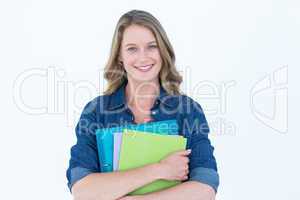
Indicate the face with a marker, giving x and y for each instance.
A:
(140, 55)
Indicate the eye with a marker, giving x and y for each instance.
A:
(153, 46)
(132, 49)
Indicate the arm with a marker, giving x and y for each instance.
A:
(110, 186)
(191, 190)
(203, 179)
(85, 179)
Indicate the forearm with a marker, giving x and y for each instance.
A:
(190, 190)
(111, 186)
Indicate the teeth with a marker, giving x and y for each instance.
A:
(145, 67)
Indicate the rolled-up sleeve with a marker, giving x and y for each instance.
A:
(205, 175)
(84, 155)
(202, 165)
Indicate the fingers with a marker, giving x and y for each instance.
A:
(187, 172)
(184, 152)
(187, 160)
(184, 173)
(184, 178)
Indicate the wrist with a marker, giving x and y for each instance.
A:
(156, 170)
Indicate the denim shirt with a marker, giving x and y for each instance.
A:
(112, 110)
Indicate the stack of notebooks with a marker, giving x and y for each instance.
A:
(126, 147)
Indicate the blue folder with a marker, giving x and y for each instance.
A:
(105, 138)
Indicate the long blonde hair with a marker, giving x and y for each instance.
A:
(114, 72)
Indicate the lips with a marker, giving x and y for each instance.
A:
(144, 68)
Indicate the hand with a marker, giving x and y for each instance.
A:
(175, 166)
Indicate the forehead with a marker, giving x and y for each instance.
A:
(137, 34)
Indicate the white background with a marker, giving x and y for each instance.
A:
(242, 44)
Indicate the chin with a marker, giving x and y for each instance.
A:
(140, 78)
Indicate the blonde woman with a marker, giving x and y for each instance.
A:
(143, 86)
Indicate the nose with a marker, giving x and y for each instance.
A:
(143, 55)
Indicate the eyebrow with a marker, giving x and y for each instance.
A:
(135, 44)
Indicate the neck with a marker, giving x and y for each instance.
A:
(142, 94)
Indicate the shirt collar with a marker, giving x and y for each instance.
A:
(118, 98)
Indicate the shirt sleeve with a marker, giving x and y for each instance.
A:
(202, 165)
(84, 155)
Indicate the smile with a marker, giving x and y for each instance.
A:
(144, 68)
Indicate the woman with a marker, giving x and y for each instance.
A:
(143, 85)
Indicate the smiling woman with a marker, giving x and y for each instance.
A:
(143, 86)
(139, 54)
(140, 44)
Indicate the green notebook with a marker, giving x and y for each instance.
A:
(140, 148)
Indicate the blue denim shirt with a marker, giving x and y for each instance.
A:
(112, 110)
